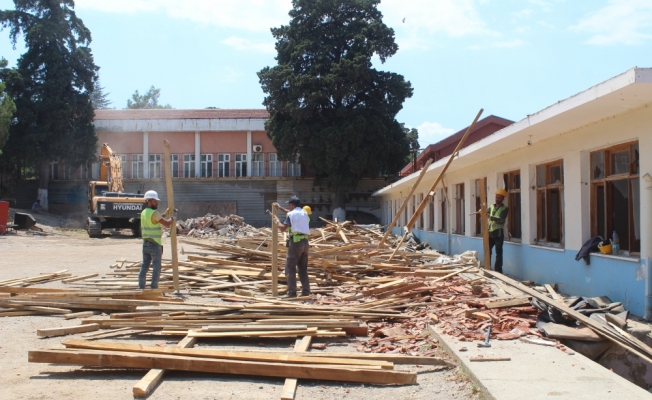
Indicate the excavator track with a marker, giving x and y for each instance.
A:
(94, 227)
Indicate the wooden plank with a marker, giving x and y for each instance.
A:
(552, 292)
(49, 332)
(286, 332)
(82, 314)
(645, 352)
(221, 366)
(170, 204)
(275, 249)
(145, 386)
(519, 302)
(290, 386)
(405, 203)
(78, 278)
(485, 224)
(483, 359)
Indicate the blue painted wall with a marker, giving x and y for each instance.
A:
(619, 280)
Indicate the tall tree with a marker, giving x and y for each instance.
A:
(99, 98)
(7, 110)
(327, 103)
(51, 86)
(148, 100)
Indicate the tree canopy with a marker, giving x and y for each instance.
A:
(7, 110)
(51, 86)
(99, 99)
(147, 100)
(327, 103)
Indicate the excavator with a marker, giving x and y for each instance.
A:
(109, 207)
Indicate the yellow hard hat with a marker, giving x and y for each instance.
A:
(501, 192)
(307, 209)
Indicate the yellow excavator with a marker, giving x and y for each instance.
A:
(109, 207)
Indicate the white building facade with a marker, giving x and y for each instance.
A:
(573, 171)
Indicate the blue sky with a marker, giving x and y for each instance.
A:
(510, 57)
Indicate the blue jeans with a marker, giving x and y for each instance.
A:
(152, 253)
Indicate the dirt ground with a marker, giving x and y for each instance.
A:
(25, 254)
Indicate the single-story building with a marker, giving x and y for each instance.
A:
(572, 171)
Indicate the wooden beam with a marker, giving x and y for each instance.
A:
(290, 386)
(145, 386)
(424, 202)
(69, 330)
(519, 302)
(405, 203)
(485, 224)
(221, 366)
(274, 249)
(173, 227)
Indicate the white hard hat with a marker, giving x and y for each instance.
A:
(151, 194)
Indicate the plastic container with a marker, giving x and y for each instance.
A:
(605, 249)
(4, 216)
(615, 243)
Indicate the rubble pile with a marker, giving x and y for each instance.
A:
(209, 226)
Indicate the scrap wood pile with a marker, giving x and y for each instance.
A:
(210, 226)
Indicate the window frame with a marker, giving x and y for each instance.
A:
(154, 161)
(240, 165)
(460, 220)
(442, 210)
(223, 165)
(478, 205)
(258, 166)
(206, 165)
(137, 166)
(606, 181)
(189, 165)
(544, 191)
(513, 220)
(174, 165)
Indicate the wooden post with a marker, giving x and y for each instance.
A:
(274, 250)
(173, 227)
(405, 203)
(485, 223)
(424, 203)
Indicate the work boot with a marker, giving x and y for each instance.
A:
(305, 293)
(291, 295)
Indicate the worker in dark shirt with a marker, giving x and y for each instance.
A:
(497, 215)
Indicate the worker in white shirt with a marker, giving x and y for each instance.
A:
(296, 223)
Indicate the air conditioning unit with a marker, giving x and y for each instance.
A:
(258, 148)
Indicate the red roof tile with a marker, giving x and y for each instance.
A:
(181, 114)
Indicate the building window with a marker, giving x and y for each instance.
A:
(240, 165)
(54, 171)
(137, 166)
(66, 172)
(154, 165)
(550, 207)
(615, 195)
(206, 165)
(274, 165)
(442, 210)
(123, 161)
(95, 171)
(294, 168)
(405, 212)
(431, 213)
(258, 164)
(513, 188)
(459, 209)
(478, 205)
(174, 165)
(189, 166)
(84, 172)
(223, 165)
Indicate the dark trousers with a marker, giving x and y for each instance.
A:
(152, 254)
(297, 258)
(498, 242)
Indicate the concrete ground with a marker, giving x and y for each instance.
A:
(538, 372)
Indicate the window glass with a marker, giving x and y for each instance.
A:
(620, 162)
(597, 165)
(634, 153)
(541, 176)
(555, 174)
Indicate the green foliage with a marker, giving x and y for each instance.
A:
(327, 103)
(7, 110)
(51, 85)
(148, 100)
(412, 136)
(99, 99)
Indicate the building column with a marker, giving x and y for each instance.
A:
(576, 201)
(197, 154)
(249, 154)
(645, 165)
(146, 155)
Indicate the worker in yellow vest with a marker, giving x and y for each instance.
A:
(497, 215)
(297, 255)
(151, 231)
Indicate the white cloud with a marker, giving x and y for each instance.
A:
(432, 132)
(229, 75)
(621, 22)
(509, 44)
(239, 43)
(249, 15)
(417, 22)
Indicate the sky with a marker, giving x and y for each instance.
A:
(510, 57)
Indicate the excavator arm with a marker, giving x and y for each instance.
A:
(111, 169)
